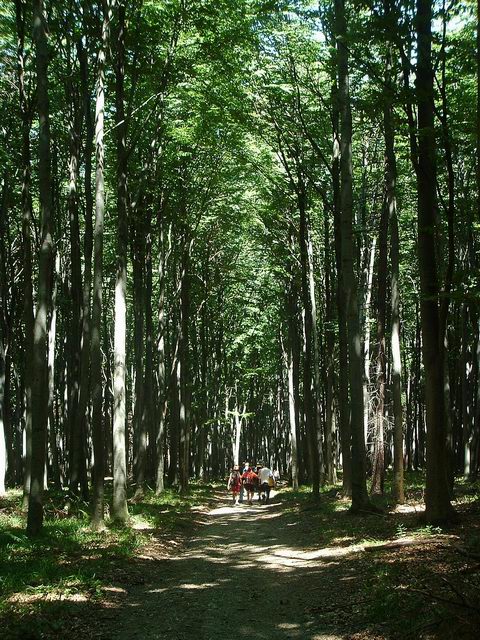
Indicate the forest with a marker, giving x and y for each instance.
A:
(239, 230)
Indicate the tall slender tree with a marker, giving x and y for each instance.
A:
(44, 292)
(437, 501)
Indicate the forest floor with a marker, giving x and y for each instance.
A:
(289, 569)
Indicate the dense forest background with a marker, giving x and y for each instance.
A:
(238, 230)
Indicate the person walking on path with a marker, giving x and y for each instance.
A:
(246, 467)
(249, 479)
(234, 484)
(266, 482)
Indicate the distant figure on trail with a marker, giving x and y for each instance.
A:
(245, 468)
(266, 481)
(234, 483)
(249, 479)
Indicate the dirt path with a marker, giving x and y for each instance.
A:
(244, 576)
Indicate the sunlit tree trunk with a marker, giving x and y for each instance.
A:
(139, 424)
(3, 447)
(119, 507)
(162, 387)
(343, 394)
(391, 203)
(40, 342)
(85, 363)
(97, 292)
(378, 466)
(290, 348)
(316, 357)
(148, 405)
(308, 351)
(52, 337)
(184, 381)
(367, 332)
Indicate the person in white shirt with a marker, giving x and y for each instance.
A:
(266, 482)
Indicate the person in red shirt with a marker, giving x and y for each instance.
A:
(249, 479)
(234, 483)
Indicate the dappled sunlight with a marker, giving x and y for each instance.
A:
(204, 585)
(418, 507)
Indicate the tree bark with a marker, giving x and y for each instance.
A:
(308, 355)
(378, 466)
(437, 502)
(28, 317)
(84, 393)
(97, 291)
(360, 499)
(119, 507)
(291, 337)
(184, 353)
(330, 468)
(139, 425)
(162, 387)
(78, 471)
(391, 203)
(44, 293)
(343, 394)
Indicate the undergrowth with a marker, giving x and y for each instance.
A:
(69, 561)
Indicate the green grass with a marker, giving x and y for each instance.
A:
(71, 560)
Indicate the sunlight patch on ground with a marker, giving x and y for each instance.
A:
(140, 525)
(342, 540)
(51, 596)
(192, 586)
(417, 507)
(114, 589)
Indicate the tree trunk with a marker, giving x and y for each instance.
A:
(85, 362)
(315, 357)
(44, 293)
(148, 404)
(366, 348)
(3, 449)
(343, 395)
(391, 203)
(308, 355)
(28, 316)
(437, 502)
(78, 472)
(378, 470)
(96, 329)
(119, 507)
(139, 425)
(184, 353)
(348, 251)
(291, 337)
(52, 337)
(162, 387)
(330, 468)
